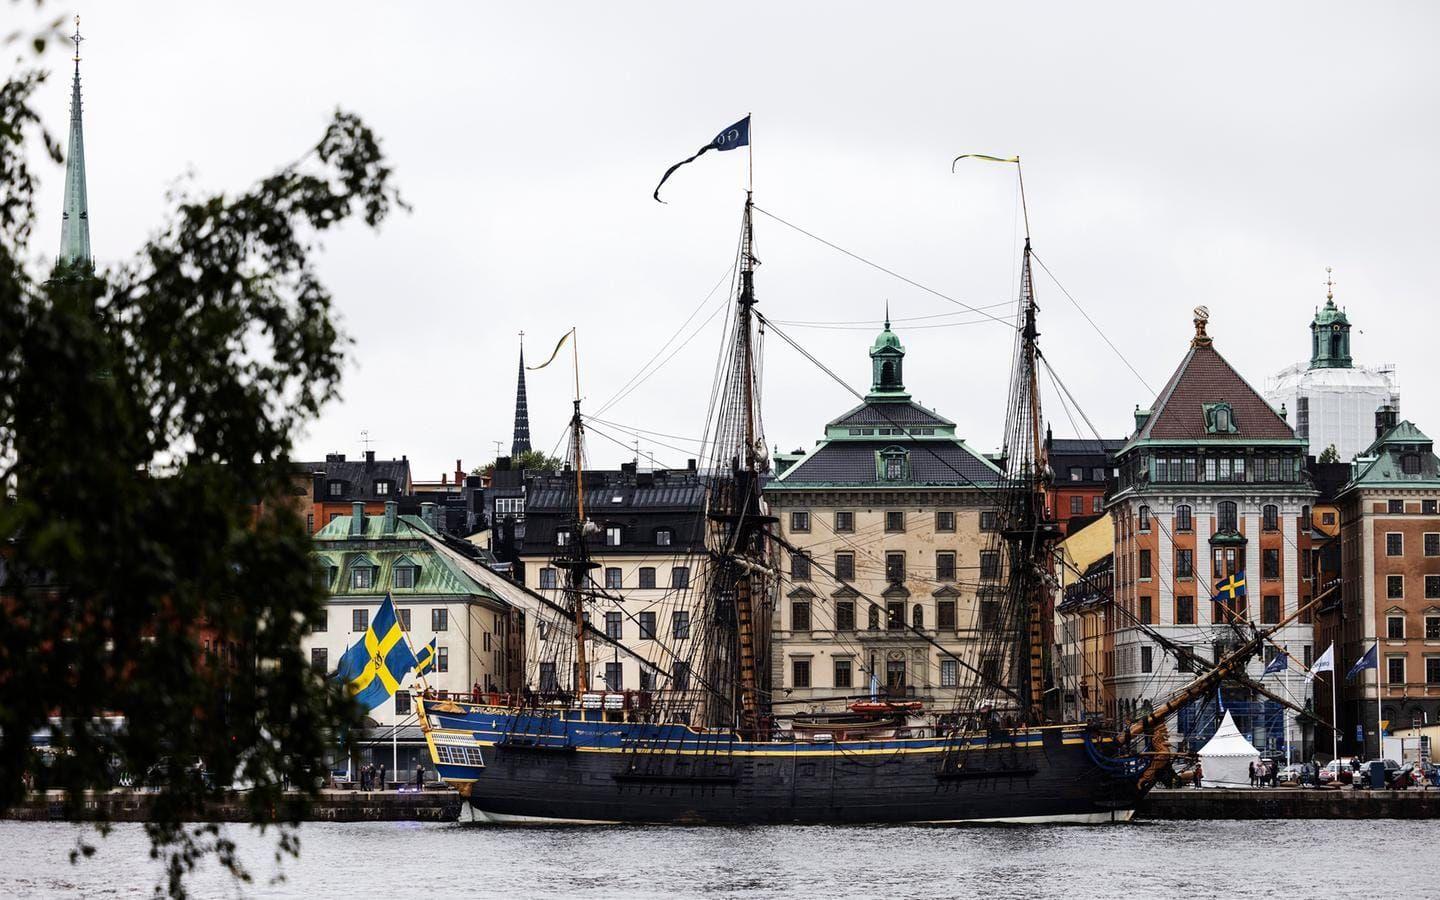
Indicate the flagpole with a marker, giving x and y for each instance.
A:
(750, 149)
(1379, 728)
(1285, 712)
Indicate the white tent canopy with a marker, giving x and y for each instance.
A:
(1225, 760)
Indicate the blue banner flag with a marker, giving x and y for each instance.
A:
(1280, 663)
(425, 659)
(737, 135)
(1369, 661)
(372, 669)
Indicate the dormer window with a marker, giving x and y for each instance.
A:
(383, 488)
(562, 537)
(405, 573)
(335, 488)
(664, 537)
(362, 577)
(1220, 418)
(894, 464)
(1410, 464)
(613, 535)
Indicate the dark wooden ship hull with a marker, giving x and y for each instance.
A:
(521, 769)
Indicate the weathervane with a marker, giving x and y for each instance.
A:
(77, 39)
(1329, 286)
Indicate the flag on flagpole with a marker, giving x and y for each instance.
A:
(373, 667)
(425, 659)
(1280, 663)
(1370, 660)
(737, 135)
(1326, 663)
(556, 352)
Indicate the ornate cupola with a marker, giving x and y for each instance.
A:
(1330, 333)
(887, 360)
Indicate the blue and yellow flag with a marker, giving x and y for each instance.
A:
(425, 659)
(1230, 589)
(372, 669)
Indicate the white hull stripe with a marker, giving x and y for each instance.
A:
(1093, 818)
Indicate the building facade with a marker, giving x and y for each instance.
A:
(1082, 474)
(1211, 484)
(1390, 577)
(648, 543)
(1330, 400)
(338, 483)
(1084, 621)
(890, 516)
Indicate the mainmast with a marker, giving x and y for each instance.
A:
(576, 562)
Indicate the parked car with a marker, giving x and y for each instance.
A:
(1416, 774)
(1340, 769)
(1392, 768)
(1292, 775)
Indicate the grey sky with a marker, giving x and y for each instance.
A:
(1175, 155)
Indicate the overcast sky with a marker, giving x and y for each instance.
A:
(1219, 154)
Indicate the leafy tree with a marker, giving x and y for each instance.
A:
(531, 460)
(156, 584)
(1329, 455)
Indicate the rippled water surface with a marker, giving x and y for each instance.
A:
(1287, 859)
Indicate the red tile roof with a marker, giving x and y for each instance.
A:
(1205, 377)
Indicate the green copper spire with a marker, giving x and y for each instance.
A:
(1330, 333)
(887, 356)
(75, 227)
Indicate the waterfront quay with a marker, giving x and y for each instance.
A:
(330, 806)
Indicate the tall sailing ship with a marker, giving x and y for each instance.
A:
(706, 740)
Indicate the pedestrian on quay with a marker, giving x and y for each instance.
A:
(419, 776)
(1198, 775)
(382, 776)
(1253, 779)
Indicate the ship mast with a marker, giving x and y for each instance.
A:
(577, 563)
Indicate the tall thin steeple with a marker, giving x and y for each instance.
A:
(75, 226)
(521, 443)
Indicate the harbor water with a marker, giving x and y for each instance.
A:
(1198, 859)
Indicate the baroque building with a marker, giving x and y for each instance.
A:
(1212, 484)
(1330, 400)
(889, 514)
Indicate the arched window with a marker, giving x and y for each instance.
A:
(1144, 518)
(1271, 517)
(917, 617)
(1227, 516)
(1183, 520)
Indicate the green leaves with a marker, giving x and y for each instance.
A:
(157, 576)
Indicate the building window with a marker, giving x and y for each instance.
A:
(382, 488)
(614, 676)
(1395, 628)
(1410, 464)
(844, 521)
(843, 673)
(945, 520)
(1077, 473)
(442, 659)
(613, 625)
(549, 683)
(1432, 628)
(680, 577)
(359, 619)
(989, 614)
(844, 615)
(872, 619)
(362, 578)
(647, 626)
(1184, 563)
(895, 567)
(1077, 506)
(799, 567)
(403, 576)
(547, 579)
(1396, 507)
(892, 464)
(987, 520)
(1395, 670)
(404, 618)
(800, 673)
(945, 565)
(894, 520)
(894, 615)
(402, 703)
(800, 615)
(1097, 503)
(1147, 659)
(1144, 518)
(1427, 507)
(613, 534)
(440, 619)
(1270, 563)
(1145, 564)
(1432, 670)
(680, 624)
(335, 488)
(562, 537)
(1394, 543)
(1182, 661)
(1432, 544)
(1270, 516)
(1225, 562)
(917, 617)
(680, 679)
(310, 523)
(1182, 519)
(612, 578)
(664, 537)
(989, 563)
(320, 659)
(1146, 611)
(1270, 610)
(945, 615)
(799, 521)
(1395, 587)
(1227, 516)
(1097, 473)
(1432, 587)
(949, 673)
(1184, 610)
(844, 567)
(647, 576)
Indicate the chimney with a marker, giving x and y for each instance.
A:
(334, 457)
(319, 484)
(459, 473)
(369, 460)
(1385, 419)
(357, 519)
(689, 465)
(502, 464)
(427, 515)
(392, 513)
(1141, 417)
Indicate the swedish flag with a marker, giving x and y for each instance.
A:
(372, 669)
(1231, 588)
(425, 659)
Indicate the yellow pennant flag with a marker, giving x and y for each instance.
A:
(1004, 159)
(563, 338)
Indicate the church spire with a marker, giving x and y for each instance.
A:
(521, 443)
(75, 225)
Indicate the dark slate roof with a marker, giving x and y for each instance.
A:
(670, 492)
(890, 413)
(360, 476)
(1084, 446)
(1204, 377)
(853, 462)
(1329, 478)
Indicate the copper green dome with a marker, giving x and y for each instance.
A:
(1330, 314)
(886, 340)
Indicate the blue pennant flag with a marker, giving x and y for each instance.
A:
(373, 667)
(1280, 663)
(1369, 661)
(737, 135)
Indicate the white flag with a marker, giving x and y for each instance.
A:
(1326, 663)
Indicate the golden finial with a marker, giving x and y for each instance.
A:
(1202, 318)
(1329, 286)
(77, 39)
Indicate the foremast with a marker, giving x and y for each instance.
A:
(575, 561)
